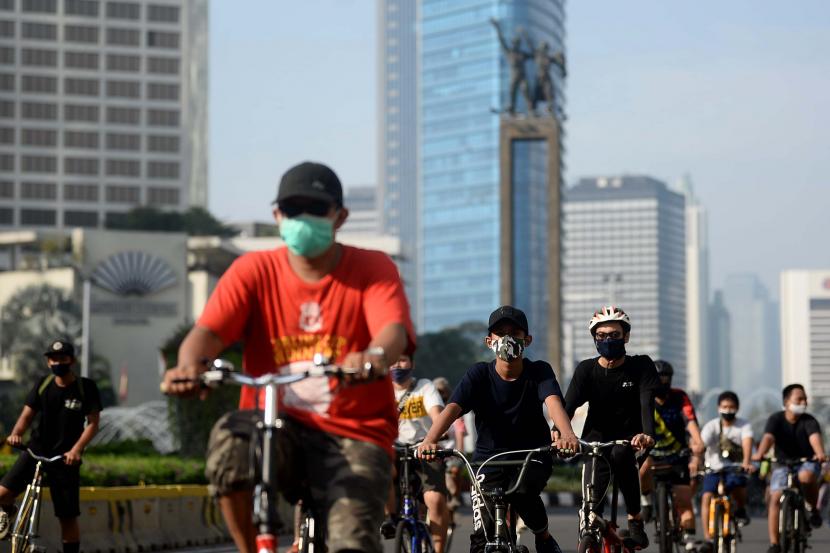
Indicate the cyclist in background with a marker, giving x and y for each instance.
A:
(313, 296)
(795, 434)
(455, 440)
(419, 404)
(674, 417)
(620, 391)
(726, 438)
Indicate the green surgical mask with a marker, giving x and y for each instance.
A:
(307, 235)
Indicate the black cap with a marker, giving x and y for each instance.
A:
(311, 180)
(60, 347)
(515, 316)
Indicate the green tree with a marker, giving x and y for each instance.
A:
(451, 351)
(196, 221)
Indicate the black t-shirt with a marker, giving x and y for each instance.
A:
(508, 414)
(792, 440)
(61, 414)
(621, 399)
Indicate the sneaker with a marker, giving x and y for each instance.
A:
(774, 548)
(388, 527)
(815, 517)
(689, 541)
(741, 516)
(637, 533)
(547, 545)
(5, 524)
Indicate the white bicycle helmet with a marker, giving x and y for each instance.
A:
(610, 314)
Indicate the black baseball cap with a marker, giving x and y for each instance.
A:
(311, 180)
(510, 313)
(60, 347)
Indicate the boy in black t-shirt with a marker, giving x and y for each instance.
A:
(61, 403)
(795, 434)
(506, 396)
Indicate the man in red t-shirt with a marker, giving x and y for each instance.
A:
(285, 305)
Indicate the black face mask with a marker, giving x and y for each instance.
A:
(662, 391)
(611, 349)
(728, 415)
(61, 369)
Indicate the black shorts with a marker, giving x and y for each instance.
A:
(676, 470)
(64, 483)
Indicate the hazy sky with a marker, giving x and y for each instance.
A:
(737, 94)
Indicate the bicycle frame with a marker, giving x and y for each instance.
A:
(418, 531)
(722, 502)
(793, 496)
(27, 521)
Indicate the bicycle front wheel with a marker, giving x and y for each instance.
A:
(587, 544)
(787, 526)
(406, 541)
(663, 519)
(719, 538)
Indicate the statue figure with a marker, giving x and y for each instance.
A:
(544, 91)
(516, 57)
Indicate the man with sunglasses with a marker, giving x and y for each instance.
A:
(313, 296)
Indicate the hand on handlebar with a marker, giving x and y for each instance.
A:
(373, 363)
(183, 380)
(72, 457)
(14, 440)
(426, 450)
(642, 441)
(567, 444)
(749, 468)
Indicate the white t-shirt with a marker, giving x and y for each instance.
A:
(413, 419)
(710, 434)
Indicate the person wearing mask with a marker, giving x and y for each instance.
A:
(419, 405)
(619, 390)
(795, 434)
(65, 409)
(506, 395)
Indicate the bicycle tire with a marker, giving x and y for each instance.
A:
(587, 544)
(450, 530)
(403, 538)
(786, 525)
(663, 519)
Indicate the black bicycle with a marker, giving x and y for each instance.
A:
(312, 534)
(411, 533)
(667, 520)
(793, 523)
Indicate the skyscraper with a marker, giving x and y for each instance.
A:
(719, 359)
(461, 76)
(103, 107)
(625, 245)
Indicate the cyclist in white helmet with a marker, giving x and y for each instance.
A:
(620, 391)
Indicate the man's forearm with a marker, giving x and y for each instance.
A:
(22, 424)
(558, 415)
(747, 450)
(818, 445)
(392, 338)
(86, 436)
(199, 344)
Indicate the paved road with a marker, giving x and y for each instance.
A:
(563, 525)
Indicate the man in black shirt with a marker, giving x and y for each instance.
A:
(620, 391)
(506, 396)
(61, 403)
(795, 434)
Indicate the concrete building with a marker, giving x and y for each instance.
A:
(719, 359)
(103, 107)
(624, 244)
(805, 331)
(364, 216)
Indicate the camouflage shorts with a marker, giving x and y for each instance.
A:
(348, 479)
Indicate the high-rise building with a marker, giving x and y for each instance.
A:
(397, 131)
(754, 348)
(103, 107)
(361, 201)
(461, 78)
(719, 359)
(805, 331)
(697, 288)
(624, 244)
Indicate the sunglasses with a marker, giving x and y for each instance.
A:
(317, 208)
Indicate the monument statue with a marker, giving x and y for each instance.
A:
(543, 91)
(516, 57)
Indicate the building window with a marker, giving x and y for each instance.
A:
(123, 194)
(76, 112)
(162, 143)
(162, 91)
(80, 166)
(163, 117)
(125, 116)
(6, 108)
(6, 81)
(6, 162)
(38, 137)
(81, 7)
(7, 55)
(80, 192)
(39, 6)
(6, 216)
(7, 28)
(123, 10)
(158, 39)
(39, 84)
(80, 60)
(122, 37)
(123, 89)
(39, 31)
(7, 5)
(6, 135)
(38, 190)
(163, 169)
(6, 189)
(73, 218)
(163, 66)
(80, 33)
(39, 111)
(39, 164)
(80, 139)
(119, 62)
(157, 195)
(163, 14)
(123, 167)
(82, 87)
(44, 58)
(38, 217)
(123, 141)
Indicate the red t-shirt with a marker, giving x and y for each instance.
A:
(283, 321)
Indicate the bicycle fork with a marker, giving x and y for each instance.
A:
(265, 498)
(26, 523)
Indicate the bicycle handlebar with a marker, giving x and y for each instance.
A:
(790, 463)
(724, 469)
(37, 457)
(604, 445)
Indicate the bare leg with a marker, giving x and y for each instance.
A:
(237, 509)
(809, 483)
(6, 496)
(683, 500)
(704, 514)
(439, 518)
(70, 532)
(773, 509)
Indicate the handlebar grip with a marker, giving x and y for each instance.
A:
(164, 388)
